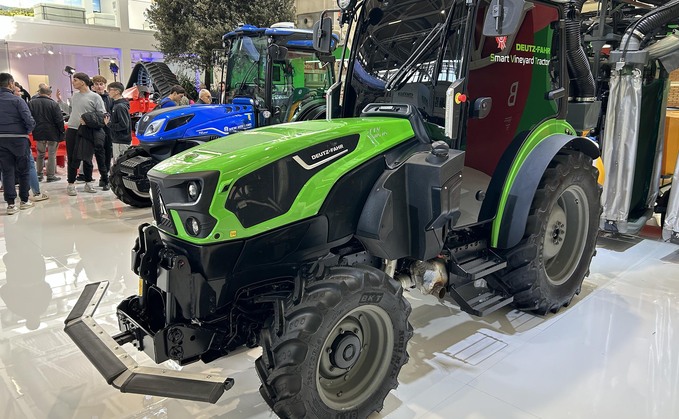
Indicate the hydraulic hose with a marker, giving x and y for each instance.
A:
(582, 86)
(642, 28)
(656, 2)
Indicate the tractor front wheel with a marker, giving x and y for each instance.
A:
(339, 349)
(125, 194)
(546, 269)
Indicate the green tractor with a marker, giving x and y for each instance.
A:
(452, 166)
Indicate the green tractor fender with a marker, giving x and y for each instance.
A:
(516, 179)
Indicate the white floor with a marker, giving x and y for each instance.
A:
(613, 354)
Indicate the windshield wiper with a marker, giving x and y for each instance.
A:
(413, 61)
(254, 65)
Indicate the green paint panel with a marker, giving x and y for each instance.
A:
(537, 107)
(242, 153)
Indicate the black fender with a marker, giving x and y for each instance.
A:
(509, 225)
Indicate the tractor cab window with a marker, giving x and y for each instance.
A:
(298, 80)
(247, 67)
(410, 52)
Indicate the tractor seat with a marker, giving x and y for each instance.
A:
(401, 110)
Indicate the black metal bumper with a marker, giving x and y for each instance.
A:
(120, 370)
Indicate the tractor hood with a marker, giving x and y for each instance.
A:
(258, 180)
(244, 152)
(196, 121)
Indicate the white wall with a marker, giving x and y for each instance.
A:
(137, 9)
(4, 57)
(312, 6)
(53, 66)
(37, 32)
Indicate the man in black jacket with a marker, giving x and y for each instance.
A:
(120, 124)
(15, 124)
(90, 135)
(104, 152)
(48, 131)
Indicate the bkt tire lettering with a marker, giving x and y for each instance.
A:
(370, 298)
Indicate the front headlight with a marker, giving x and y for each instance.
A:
(193, 190)
(182, 201)
(343, 4)
(192, 226)
(154, 127)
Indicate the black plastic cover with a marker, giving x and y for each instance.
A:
(181, 388)
(401, 110)
(105, 361)
(408, 207)
(83, 302)
(343, 213)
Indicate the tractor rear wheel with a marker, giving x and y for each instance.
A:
(125, 194)
(339, 349)
(546, 269)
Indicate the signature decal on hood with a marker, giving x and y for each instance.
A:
(320, 154)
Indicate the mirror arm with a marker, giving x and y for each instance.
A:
(326, 11)
(500, 15)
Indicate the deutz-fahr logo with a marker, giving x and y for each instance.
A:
(327, 151)
(317, 156)
(501, 42)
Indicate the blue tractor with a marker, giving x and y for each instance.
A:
(273, 75)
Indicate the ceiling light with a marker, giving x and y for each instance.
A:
(18, 55)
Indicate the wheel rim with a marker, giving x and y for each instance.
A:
(356, 357)
(566, 234)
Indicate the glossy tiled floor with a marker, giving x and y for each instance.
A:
(613, 354)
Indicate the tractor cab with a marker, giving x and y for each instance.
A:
(279, 70)
(482, 83)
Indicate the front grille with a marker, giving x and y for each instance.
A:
(160, 212)
(133, 162)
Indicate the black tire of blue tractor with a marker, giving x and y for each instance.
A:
(539, 280)
(350, 307)
(309, 112)
(117, 185)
